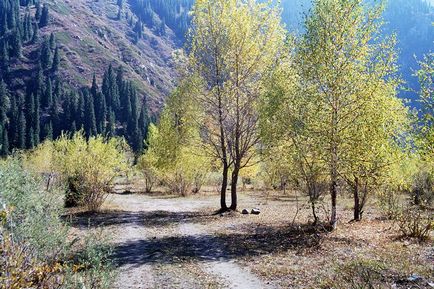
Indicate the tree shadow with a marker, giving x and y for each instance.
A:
(152, 218)
(264, 240)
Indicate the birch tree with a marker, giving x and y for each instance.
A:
(234, 45)
(348, 76)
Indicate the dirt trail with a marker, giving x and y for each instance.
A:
(154, 235)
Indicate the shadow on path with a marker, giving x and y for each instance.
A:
(264, 240)
(153, 218)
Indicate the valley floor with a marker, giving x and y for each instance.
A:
(171, 242)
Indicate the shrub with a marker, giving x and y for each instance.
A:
(416, 222)
(358, 274)
(422, 190)
(146, 165)
(89, 167)
(35, 251)
(390, 202)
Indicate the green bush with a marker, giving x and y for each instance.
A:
(416, 222)
(358, 274)
(35, 249)
(89, 167)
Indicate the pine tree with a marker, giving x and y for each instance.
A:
(46, 55)
(48, 131)
(4, 103)
(15, 44)
(111, 124)
(13, 123)
(30, 138)
(30, 109)
(37, 120)
(90, 122)
(119, 16)
(21, 130)
(35, 36)
(4, 56)
(56, 61)
(48, 93)
(80, 111)
(4, 143)
(52, 41)
(38, 10)
(143, 122)
(45, 17)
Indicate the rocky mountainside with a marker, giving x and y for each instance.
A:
(95, 33)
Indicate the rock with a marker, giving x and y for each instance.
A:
(255, 211)
(414, 278)
(245, 212)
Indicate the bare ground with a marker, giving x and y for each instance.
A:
(170, 242)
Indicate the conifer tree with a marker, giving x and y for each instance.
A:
(48, 93)
(52, 41)
(90, 121)
(45, 17)
(37, 120)
(22, 129)
(15, 44)
(46, 55)
(4, 141)
(38, 10)
(35, 35)
(56, 61)
(4, 103)
(48, 131)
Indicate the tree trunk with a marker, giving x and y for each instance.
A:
(333, 192)
(357, 209)
(234, 183)
(334, 167)
(315, 217)
(223, 189)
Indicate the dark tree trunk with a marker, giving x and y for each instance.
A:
(234, 182)
(315, 217)
(223, 189)
(357, 207)
(333, 193)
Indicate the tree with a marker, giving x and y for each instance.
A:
(231, 57)
(426, 80)
(46, 55)
(35, 35)
(348, 77)
(45, 17)
(4, 103)
(22, 128)
(174, 147)
(38, 10)
(16, 45)
(90, 122)
(289, 147)
(4, 141)
(56, 61)
(52, 41)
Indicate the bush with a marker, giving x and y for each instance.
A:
(416, 222)
(89, 167)
(422, 190)
(358, 274)
(35, 251)
(390, 202)
(146, 165)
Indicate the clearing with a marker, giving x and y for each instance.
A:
(162, 241)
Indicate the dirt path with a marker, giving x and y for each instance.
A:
(166, 243)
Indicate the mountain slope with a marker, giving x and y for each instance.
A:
(91, 38)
